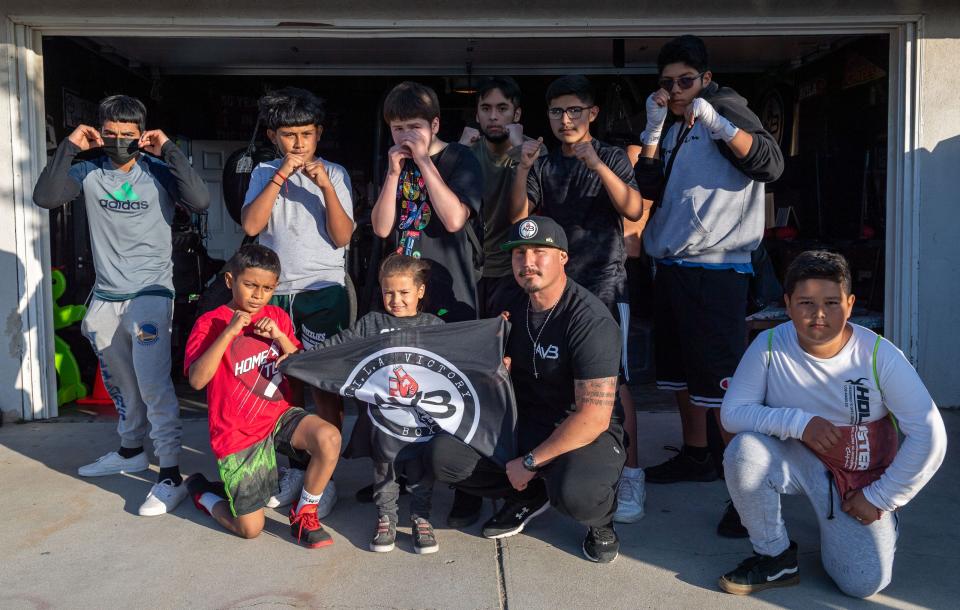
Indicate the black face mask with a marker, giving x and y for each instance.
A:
(121, 150)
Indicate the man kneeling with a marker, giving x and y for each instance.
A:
(565, 357)
(811, 404)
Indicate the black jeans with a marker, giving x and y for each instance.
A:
(581, 484)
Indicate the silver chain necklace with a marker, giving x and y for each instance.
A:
(536, 342)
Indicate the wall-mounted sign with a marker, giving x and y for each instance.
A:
(811, 88)
(78, 111)
(858, 70)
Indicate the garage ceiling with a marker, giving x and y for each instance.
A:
(173, 56)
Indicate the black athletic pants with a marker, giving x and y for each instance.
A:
(581, 484)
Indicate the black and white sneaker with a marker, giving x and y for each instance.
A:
(385, 538)
(424, 540)
(601, 544)
(763, 572)
(512, 518)
(730, 525)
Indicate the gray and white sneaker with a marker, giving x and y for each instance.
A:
(327, 500)
(424, 540)
(291, 483)
(163, 498)
(631, 494)
(114, 463)
(385, 538)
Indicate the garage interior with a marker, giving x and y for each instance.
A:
(824, 97)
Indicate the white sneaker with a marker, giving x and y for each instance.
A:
(327, 500)
(291, 483)
(113, 463)
(163, 498)
(631, 495)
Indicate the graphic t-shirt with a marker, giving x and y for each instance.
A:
(778, 388)
(451, 289)
(563, 189)
(247, 393)
(129, 214)
(297, 229)
(579, 340)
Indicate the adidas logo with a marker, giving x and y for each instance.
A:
(124, 199)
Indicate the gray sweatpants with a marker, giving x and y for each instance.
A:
(386, 489)
(132, 341)
(758, 468)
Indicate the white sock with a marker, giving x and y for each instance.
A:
(631, 473)
(209, 500)
(308, 498)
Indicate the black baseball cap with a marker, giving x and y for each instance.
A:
(536, 230)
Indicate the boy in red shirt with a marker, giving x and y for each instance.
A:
(233, 351)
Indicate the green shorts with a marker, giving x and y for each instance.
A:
(250, 475)
(316, 314)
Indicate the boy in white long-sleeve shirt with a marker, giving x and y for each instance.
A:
(811, 406)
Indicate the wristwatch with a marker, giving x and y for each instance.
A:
(530, 462)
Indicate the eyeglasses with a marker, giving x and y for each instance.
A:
(574, 112)
(685, 82)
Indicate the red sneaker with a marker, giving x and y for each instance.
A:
(306, 528)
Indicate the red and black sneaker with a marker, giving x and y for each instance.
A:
(306, 528)
(197, 485)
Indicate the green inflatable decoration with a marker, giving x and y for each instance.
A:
(68, 372)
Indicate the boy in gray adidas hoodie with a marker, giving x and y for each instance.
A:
(129, 200)
(705, 160)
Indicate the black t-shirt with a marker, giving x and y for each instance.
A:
(453, 257)
(580, 340)
(565, 190)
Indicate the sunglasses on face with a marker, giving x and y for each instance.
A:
(685, 82)
(574, 112)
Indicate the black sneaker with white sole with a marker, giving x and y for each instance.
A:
(512, 518)
(763, 572)
(601, 544)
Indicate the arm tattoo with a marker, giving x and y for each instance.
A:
(596, 393)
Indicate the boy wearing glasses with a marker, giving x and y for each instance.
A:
(707, 172)
(588, 188)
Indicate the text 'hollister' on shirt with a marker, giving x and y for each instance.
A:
(421, 234)
(579, 341)
(247, 393)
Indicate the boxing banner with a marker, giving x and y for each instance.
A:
(415, 383)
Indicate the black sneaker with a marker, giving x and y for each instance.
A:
(465, 510)
(601, 544)
(682, 467)
(364, 495)
(763, 572)
(197, 485)
(730, 525)
(511, 519)
(424, 540)
(385, 538)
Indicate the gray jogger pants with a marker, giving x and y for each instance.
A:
(132, 341)
(758, 468)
